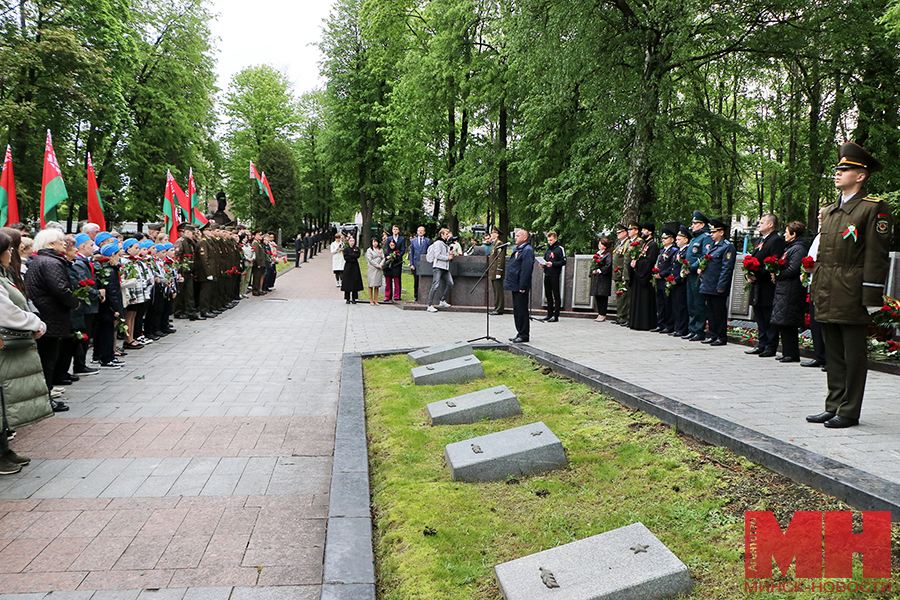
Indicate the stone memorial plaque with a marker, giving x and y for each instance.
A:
(433, 354)
(628, 563)
(739, 302)
(562, 287)
(455, 370)
(515, 452)
(493, 403)
(581, 281)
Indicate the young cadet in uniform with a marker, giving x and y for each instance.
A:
(497, 261)
(619, 275)
(554, 261)
(697, 249)
(848, 282)
(716, 283)
(679, 290)
(666, 265)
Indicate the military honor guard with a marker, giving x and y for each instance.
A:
(678, 292)
(715, 284)
(620, 275)
(497, 262)
(848, 282)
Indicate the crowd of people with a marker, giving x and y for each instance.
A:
(63, 296)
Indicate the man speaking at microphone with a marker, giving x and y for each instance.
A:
(518, 281)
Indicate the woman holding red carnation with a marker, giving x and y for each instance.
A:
(789, 306)
(601, 277)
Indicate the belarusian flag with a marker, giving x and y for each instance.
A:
(94, 203)
(9, 208)
(53, 190)
(169, 208)
(255, 175)
(183, 202)
(196, 217)
(265, 183)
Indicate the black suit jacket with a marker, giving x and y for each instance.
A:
(762, 292)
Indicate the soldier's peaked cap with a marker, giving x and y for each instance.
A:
(716, 225)
(699, 217)
(854, 156)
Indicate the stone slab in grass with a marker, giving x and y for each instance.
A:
(628, 563)
(516, 452)
(493, 403)
(456, 370)
(441, 352)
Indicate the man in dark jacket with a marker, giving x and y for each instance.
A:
(715, 284)
(698, 247)
(665, 266)
(848, 282)
(518, 281)
(417, 249)
(762, 289)
(554, 261)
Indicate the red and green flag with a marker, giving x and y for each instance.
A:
(265, 183)
(94, 203)
(9, 208)
(196, 217)
(53, 190)
(255, 176)
(169, 208)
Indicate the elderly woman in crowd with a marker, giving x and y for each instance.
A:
(47, 281)
(351, 282)
(23, 388)
(789, 308)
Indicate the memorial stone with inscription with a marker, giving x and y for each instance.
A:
(493, 403)
(628, 563)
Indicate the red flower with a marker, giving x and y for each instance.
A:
(780, 262)
(770, 260)
(893, 346)
(707, 256)
(751, 263)
(633, 244)
(655, 270)
(808, 262)
(670, 278)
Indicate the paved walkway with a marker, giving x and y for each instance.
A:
(202, 468)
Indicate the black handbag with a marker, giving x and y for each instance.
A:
(16, 339)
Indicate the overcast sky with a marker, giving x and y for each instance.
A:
(277, 33)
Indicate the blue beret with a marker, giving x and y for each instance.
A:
(82, 238)
(169, 245)
(109, 249)
(102, 237)
(129, 243)
(145, 244)
(160, 247)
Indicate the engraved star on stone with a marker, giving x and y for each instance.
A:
(638, 548)
(477, 449)
(451, 404)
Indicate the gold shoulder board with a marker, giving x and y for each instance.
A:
(873, 199)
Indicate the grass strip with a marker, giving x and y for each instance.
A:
(439, 539)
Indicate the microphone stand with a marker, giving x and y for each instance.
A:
(487, 297)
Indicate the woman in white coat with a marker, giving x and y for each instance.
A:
(337, 258)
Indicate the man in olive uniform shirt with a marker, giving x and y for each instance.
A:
(259, 263)
(205, 272)
(497, 261)
(848, 282)
(184, 253)
(620, 275)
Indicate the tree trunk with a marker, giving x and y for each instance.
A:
(638, 194)
(449, 215)
(502, 185)
(816, 164)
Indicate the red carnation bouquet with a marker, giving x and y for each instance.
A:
(774, 264)
(84, 289)
(704, 261)
(597, 259)
(750, 267)
(634, 249)
(685, 267)
(670, 283)
(889, 315)
(809, 264)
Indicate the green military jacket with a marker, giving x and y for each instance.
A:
(620, 271)
(852, 263)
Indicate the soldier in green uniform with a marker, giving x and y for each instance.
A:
(184, 254)
(620, 274)
(259, 263)
(497, 261)
(848, 282)
(205, 272)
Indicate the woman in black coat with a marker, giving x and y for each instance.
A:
(789, 307)
(47, 281)
(351, 279)
(601, 277)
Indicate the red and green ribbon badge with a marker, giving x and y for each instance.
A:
(851, 230)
